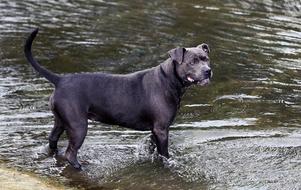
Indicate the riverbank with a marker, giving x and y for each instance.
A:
(11, 179)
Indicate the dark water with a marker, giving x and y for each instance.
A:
(241, 132)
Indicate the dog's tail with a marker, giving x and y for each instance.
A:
(52, 77)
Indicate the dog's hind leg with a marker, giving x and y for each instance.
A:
(76, 126)
(71, 116)
(56, 131)
(76, 131)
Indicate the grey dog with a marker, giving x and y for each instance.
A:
(144, 100)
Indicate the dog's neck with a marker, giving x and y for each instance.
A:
(169, 69)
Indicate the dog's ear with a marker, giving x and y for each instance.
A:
(177, 54)
(204, 47)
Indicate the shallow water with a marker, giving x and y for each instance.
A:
(241, 132)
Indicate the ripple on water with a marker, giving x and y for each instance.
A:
(237, 97)
(237, 157)
(233, 122)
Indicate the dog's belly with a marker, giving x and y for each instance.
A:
(137, 122)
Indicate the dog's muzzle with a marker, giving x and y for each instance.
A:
(207, 76)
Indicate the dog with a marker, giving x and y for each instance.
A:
(143, 100)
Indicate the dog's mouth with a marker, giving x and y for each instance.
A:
(201, 82)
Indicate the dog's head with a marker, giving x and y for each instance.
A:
(193, 64)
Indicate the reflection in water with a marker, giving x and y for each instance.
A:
(243, 131)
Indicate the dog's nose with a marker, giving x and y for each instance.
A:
(208, 73)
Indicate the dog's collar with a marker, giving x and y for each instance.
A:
(181, 81)
(176, 78)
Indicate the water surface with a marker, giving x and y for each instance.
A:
(241, 132)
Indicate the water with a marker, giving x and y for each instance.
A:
(241, 132)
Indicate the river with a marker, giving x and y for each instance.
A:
(243, 131)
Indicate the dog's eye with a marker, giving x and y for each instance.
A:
(203, 58)
(195, 61)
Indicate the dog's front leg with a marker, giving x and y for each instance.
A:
(160, 134)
